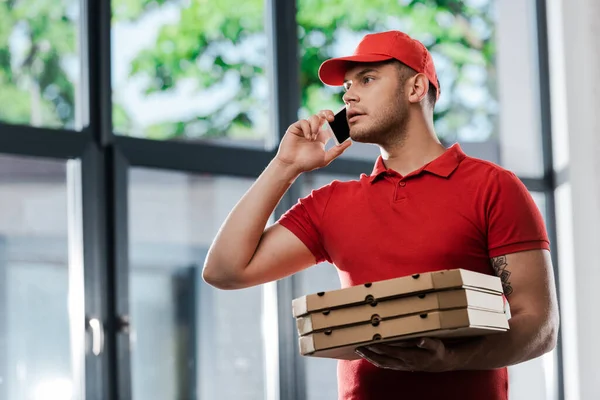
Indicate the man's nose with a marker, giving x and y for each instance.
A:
(350, 96)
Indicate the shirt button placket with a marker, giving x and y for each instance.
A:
(400, 191)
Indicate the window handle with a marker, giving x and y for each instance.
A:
(97, 330)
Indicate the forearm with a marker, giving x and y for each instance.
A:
(240, 234)
(526, 339)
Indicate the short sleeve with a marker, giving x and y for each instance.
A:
(304, 220)
(514, 222)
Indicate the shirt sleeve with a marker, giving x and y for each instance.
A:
(304, 221)
(514, 221)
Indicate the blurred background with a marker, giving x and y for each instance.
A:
(128, 131)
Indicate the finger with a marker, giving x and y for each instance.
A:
(315, 124)
(397, 352)
(382, 349)
(305, 127)
(381, 361)
(336, 151)
(404, 344)
(326, 115)
(323, 135)
(433, 345)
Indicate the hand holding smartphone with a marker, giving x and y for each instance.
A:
(339, 127)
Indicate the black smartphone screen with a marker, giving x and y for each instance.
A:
(340, 127)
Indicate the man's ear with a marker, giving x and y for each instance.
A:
(418, 88)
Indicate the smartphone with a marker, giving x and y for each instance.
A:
(339, 127)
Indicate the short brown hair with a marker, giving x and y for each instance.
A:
(407, 72)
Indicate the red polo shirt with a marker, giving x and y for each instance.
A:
(455, 212)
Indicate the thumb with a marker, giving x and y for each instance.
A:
(336, 151)
(433, 345)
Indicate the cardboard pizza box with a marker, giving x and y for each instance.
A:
(378, 311)
(397, 287)
(458, 323)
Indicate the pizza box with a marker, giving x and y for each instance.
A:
(378, 311)
(407, 285)
(457, 323)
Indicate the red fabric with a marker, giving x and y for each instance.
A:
(455, 212)
(383, 46)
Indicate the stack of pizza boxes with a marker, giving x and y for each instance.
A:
(451, 304)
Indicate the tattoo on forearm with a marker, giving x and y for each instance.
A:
(499, 265)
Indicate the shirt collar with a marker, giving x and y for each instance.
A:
(442, 166)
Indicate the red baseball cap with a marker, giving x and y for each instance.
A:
(376, 47)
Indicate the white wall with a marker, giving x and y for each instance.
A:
(575, 66)
(518, 87)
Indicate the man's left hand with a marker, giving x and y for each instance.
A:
(426, 354)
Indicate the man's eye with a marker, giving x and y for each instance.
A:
(367, 79)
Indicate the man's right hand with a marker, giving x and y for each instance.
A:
(246, 254)
(303, 145)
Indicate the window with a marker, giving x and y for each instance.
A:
(321, 373)
(518, 90)
(39, 62)
(196, 71)
(41, 330)
(535, 379)
(187, 75)
(489, 104)
(460, 35)
(571, 340)
(189, 340)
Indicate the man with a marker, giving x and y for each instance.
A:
(423, 208)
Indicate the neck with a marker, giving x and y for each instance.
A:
(419, 146)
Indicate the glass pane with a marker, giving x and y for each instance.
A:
(558, 86)
(321, 373)
(520, 116)
(39, 62)
(37, 340)
(461, 38)
(473, 46)
(535, 379)
(568, 290)
(195, 71)
(189, 340)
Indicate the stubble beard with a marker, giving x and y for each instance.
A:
(387, 127)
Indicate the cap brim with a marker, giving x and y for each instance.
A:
(333, 71)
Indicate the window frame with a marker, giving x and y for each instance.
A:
(106, 159)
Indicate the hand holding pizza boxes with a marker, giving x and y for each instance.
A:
(445, 304)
